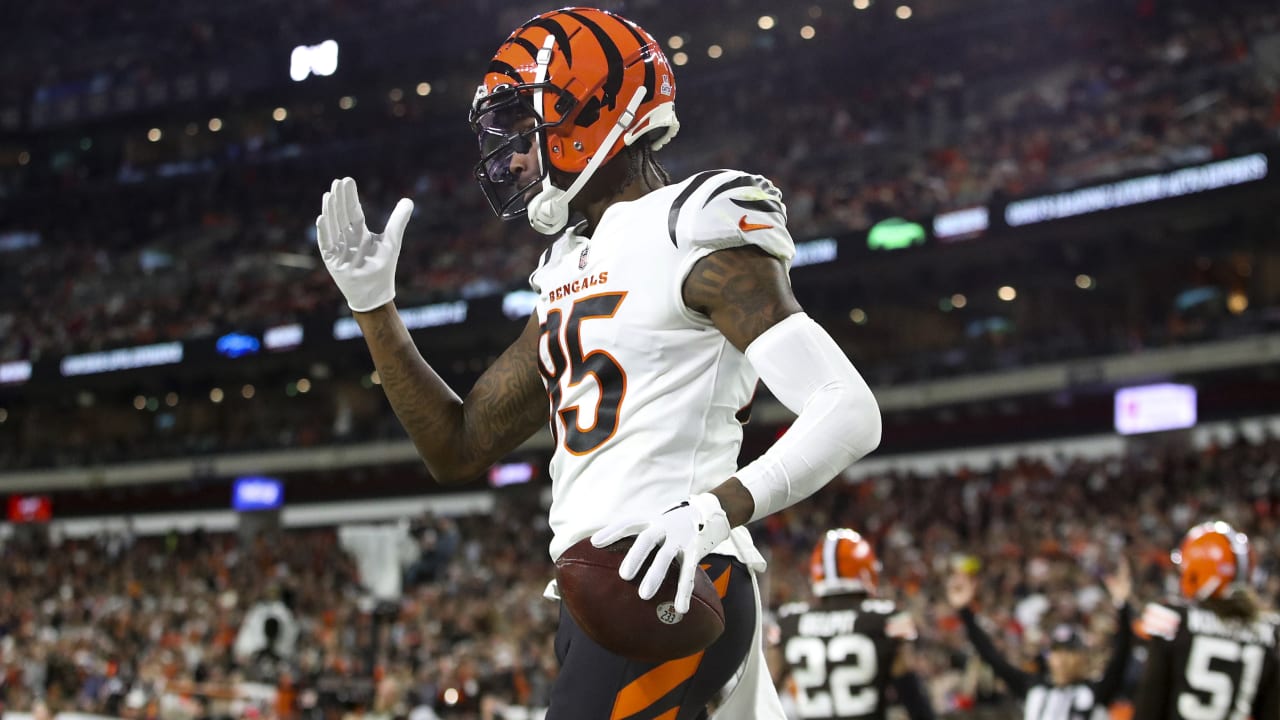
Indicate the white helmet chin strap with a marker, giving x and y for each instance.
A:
(549, 210)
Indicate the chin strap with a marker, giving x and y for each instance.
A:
(548, 211)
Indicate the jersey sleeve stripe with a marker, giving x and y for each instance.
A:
(768, 206)
(673, 216)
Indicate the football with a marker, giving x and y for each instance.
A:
(609, 609)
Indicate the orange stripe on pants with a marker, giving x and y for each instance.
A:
(654, 685)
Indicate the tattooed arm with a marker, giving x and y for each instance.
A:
(746, 294)
(457, 439)
(744, 291)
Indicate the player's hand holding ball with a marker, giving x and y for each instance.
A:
(362, 263)
(686, 532)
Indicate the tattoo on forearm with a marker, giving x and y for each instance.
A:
(457, 440)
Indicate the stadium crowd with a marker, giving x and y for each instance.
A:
(203, 232)
(148, 627)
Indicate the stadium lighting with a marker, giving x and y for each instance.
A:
(171, 399)
(304, 386)
(1084, 282)
(1237, 302)
(346, 102)
(215, 395)
(903, 12)
(4, 415)
(215, 124)
(396, 95)
(766, 22)
(424, 89)
(680, 58)
(247, 392)
(807, 32)
(959, 301)
(140, 403)
(154, 134)
(1006, 293)
(715, 51)
(24, 157)
(319, 60)
(279, 114)
(858, 316)
(815, 11)
(675, 42)
(861, 4)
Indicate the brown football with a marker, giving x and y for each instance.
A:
(609, 609)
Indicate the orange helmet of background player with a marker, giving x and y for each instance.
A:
(843, 562)
(1212, 558)
(576, 72)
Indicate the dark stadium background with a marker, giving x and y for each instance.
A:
(166, 328)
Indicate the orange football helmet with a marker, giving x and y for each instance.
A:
(1212, 558)
(578, 84)
(843, 562)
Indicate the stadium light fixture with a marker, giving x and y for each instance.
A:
(766, 22)
(807, 32)
(140, 403)
(675, 42)
(346, 102)
(424, 89)
(903, 12)
(714, 52)
(247, 392)
(1007, 293)
(680, 58)
(4, 415)
(171, 399)
(154, 134)
(215, 395)
(279, 114)
(861, 4)
(858, 316)
(396, 95)
(215, 124)
(958, 301)
(1084, 282)
(320, 60)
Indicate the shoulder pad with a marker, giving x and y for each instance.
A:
(1160, 621)
(794, 608)
(901, 626)
(720, 209)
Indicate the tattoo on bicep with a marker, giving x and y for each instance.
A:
(743, 290)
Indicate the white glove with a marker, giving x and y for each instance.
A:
(362, 263)
(687, 531)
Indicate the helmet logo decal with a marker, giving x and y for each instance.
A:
(667, 88)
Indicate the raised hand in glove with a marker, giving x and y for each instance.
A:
(686, 532)
(362, 263)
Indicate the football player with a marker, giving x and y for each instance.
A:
(1211, 656)
(1066, 692)
(848, 648)
(659, 307)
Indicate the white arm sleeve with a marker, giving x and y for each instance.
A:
(838, 420)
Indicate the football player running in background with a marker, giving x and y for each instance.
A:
(1067, 692)
(846, 649)
(1213, 655)
(659, 308)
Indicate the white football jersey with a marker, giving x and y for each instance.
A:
(646, 395)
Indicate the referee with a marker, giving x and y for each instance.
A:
(1066, 693)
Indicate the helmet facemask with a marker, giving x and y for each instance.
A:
(506, 123)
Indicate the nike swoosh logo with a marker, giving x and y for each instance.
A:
(745, 226)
